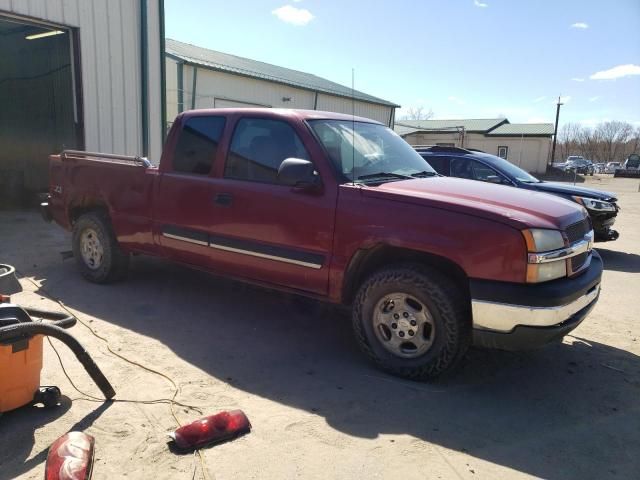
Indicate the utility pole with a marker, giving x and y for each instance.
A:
(555, 131)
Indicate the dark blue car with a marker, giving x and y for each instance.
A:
(476, 165)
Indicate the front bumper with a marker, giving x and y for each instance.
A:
(602, 223)
(519, 317)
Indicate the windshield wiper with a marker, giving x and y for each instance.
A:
(383, 175)
(424, 174)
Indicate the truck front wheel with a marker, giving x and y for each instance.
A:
(412, 321)
(96, 249)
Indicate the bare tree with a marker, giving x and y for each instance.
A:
(612, 135)
(417, 113)
(569, 137)
(607, 142)
(589, 144)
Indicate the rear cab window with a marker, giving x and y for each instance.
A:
(258, 148)
(197, 145)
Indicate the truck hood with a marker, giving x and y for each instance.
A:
(516, 207)
(565, 189)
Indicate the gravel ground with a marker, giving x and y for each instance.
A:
(318, 409)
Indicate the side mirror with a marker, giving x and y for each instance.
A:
(493, 179)
(298, 173)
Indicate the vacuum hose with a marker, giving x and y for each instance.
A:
(62, 320)
(54, 330)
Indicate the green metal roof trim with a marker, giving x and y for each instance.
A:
(541, 129)
(265, 71)
(403, 131)
(481, 125)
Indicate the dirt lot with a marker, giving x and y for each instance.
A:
(318, 409)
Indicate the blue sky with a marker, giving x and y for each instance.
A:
(460, 58)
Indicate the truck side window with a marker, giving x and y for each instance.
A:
(197, 145)
(259, 146)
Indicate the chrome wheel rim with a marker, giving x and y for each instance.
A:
(91, 248)
(404, 325)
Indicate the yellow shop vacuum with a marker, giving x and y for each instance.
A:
(21, 333)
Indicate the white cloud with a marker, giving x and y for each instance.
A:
(539, 99)
(593, 99)
(575, 79)
(457, 100)
(480, 4)
(293, 15)
(618, 71)
(580, 25)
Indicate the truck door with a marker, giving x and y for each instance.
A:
(267, 231)
(183, 208)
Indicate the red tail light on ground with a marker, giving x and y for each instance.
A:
(213, 429)
(70, 457)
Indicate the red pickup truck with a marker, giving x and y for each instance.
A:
(339, 208)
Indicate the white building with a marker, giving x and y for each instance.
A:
(84, 74)
(527, 145)
(202, 78)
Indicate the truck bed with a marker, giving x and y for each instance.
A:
(123, 186)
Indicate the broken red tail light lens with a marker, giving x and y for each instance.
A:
(70, 457)
(213, 429)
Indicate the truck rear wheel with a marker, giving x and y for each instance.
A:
(96, 249)
(412, 321)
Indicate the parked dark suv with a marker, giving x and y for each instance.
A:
(476, 165)
(580, 164)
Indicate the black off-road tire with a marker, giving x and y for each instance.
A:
(114, 264)
(448, 306)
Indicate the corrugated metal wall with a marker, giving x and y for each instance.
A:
(362, 109)
(529, 153)
(215, 88)
(110, 46)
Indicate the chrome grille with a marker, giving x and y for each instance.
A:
(578, 261)
(577, 231)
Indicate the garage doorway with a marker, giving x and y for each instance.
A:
(41, 107)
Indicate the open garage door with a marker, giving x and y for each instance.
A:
(40, 109)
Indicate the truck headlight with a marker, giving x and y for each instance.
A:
(540, 240)
(594, 204)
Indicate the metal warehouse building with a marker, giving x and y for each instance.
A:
(202, 78)
(527, 145)
(84, 74)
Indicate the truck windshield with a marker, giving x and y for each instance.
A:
(369, 152)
